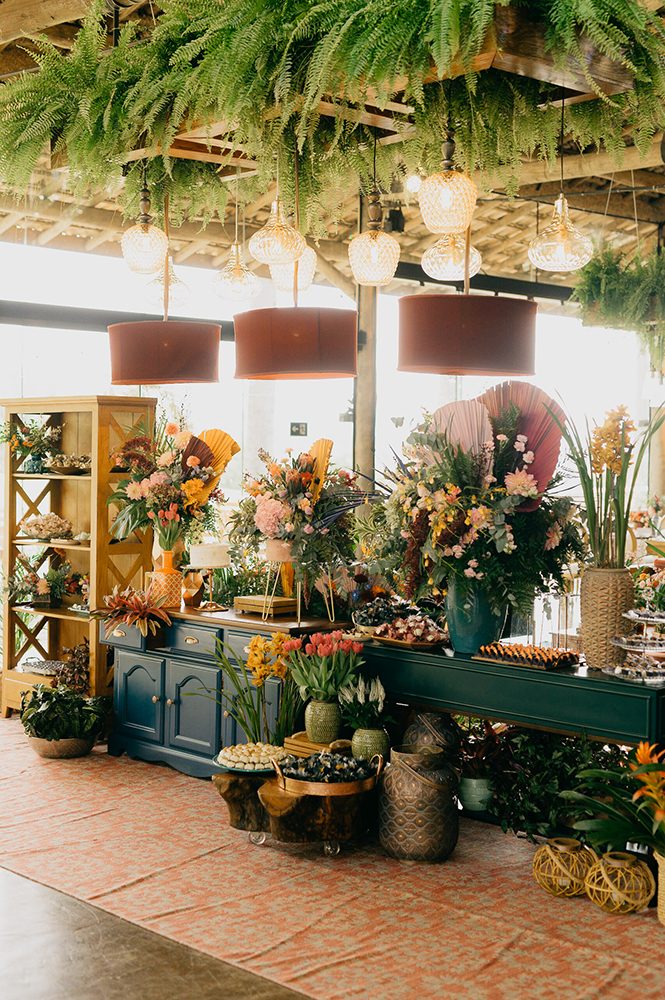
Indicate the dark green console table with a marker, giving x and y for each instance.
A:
(567, 701)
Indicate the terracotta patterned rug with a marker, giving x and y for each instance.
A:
(154, 846)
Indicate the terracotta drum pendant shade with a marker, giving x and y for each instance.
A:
(466, 335)
(296, 343)
(155, 352)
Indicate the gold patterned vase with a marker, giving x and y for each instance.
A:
(604, 597)
(167, 582)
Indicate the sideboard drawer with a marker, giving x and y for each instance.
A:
(129, 637)
(196, 639)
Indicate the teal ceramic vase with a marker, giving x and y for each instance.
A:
(33, 465)
(471, 621)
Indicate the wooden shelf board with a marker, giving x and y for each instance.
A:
(64, 613)
(85, 478)
(54, 544)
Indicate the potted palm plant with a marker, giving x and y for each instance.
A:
(321, 667)
(60, 722)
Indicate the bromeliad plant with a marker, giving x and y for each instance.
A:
(172, 482)
(603, 462)
(475, 500)
(134, 608)
(363, 704)
(628, 804)
(324, 664)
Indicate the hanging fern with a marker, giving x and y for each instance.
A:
(263, 67)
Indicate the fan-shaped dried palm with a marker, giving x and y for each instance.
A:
(543, 435)
(465, 424)
(202, 451)
(320, 452)
(223, 448)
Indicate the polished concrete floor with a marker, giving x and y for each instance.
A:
(53, 947)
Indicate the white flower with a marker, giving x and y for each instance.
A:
(346, 694)
(361, 692)
(528, 457)
(521, 437)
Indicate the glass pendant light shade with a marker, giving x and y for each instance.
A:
(178, 290)
(277, 242)
(447, 199)
(282, 274)
(235, 281)
(560, 247)
(374, 257)
(445, 260)
(144, 246)
(414, 183)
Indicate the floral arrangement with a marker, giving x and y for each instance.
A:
(650, 591)
(474, 500)
(172, 484)
(25, 583)
(363, 704)
(132, 607)
(648, 517)
(628, 804)
(300, 500)
(324, 664)
(603, 462)
(30, 438)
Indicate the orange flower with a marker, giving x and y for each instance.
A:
(654, 781)
(172, 429)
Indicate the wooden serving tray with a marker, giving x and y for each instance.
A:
(299, 746)
(401, 644)
(523, 663)
(275, 605)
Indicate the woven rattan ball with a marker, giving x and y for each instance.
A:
(560, 866)
(619, 883)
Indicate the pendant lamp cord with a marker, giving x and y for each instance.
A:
(637, 228)
(297, 221)
(374, 158)
(607, 205)
(561, 141)
(166, 258)
(237, 176)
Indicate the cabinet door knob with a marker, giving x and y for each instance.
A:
(226, 714)
(155, 698)
(119, 633)
(191, 640)
(169, 701)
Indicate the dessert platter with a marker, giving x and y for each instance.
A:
(412, 632)
(640, 668)
(246, 758)
(538, 657)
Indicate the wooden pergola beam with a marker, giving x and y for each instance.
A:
(21, 18)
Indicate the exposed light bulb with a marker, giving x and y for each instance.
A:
(560, 247)
(277, 242)
(235, 281)
(178, 290)
(445, 259)
(282, 274)
(448, 198)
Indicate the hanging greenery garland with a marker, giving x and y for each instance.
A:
(263, 67)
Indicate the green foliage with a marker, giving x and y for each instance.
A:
(60, 713)
(623, 295)
(263, 66)
(541, 767)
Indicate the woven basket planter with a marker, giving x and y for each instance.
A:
(605, 595)
(61, 749)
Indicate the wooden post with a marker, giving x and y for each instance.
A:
(364, 395)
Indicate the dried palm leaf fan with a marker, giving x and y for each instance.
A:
(154, 352)
(202, 451)
(465, 424)
(320, 452)
(223, 448)
(543, 435)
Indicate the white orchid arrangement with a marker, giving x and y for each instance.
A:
(363, 704)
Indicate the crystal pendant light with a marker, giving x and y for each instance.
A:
(374, 255)
(235, 281)
(414, 183)
(277, 242)
(560, 247)
(144, 246)
(445, 260)
(447, 199)
(283, 274)
(178, 290)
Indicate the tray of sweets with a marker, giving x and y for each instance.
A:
(639, 643)
(536, 657)
(645, 616)
(639, 669)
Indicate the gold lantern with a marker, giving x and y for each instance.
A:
(560, 247)
(620, 883)
(283, 274)
(235, 281)
(561, 865)
(447, 199)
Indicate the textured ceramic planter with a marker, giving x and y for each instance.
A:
(61, 749)
(367, 742)
(605, 595)
(323, 721)
(167, 582)
(277, 550)
(471, 621)
(475, 794)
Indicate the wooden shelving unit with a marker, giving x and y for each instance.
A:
(93, 425)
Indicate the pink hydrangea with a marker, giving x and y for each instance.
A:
(158, 479)
(521, 484)
(269, 514)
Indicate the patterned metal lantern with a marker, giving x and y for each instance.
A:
(561, 865)
(235, 281)
(447, 199)
(445, 259)
(277, 242)
(144, 246)
(282, 274)
(374, 255)
(560, 247)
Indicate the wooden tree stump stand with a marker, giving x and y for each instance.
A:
(307, 819)
(240, 792)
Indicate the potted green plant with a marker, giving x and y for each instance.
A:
(628, 806)
(603, 459)
(134, 608)
(479, 761)
(60, 722)
(321, 667)
(31, 441)
(362, 706)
